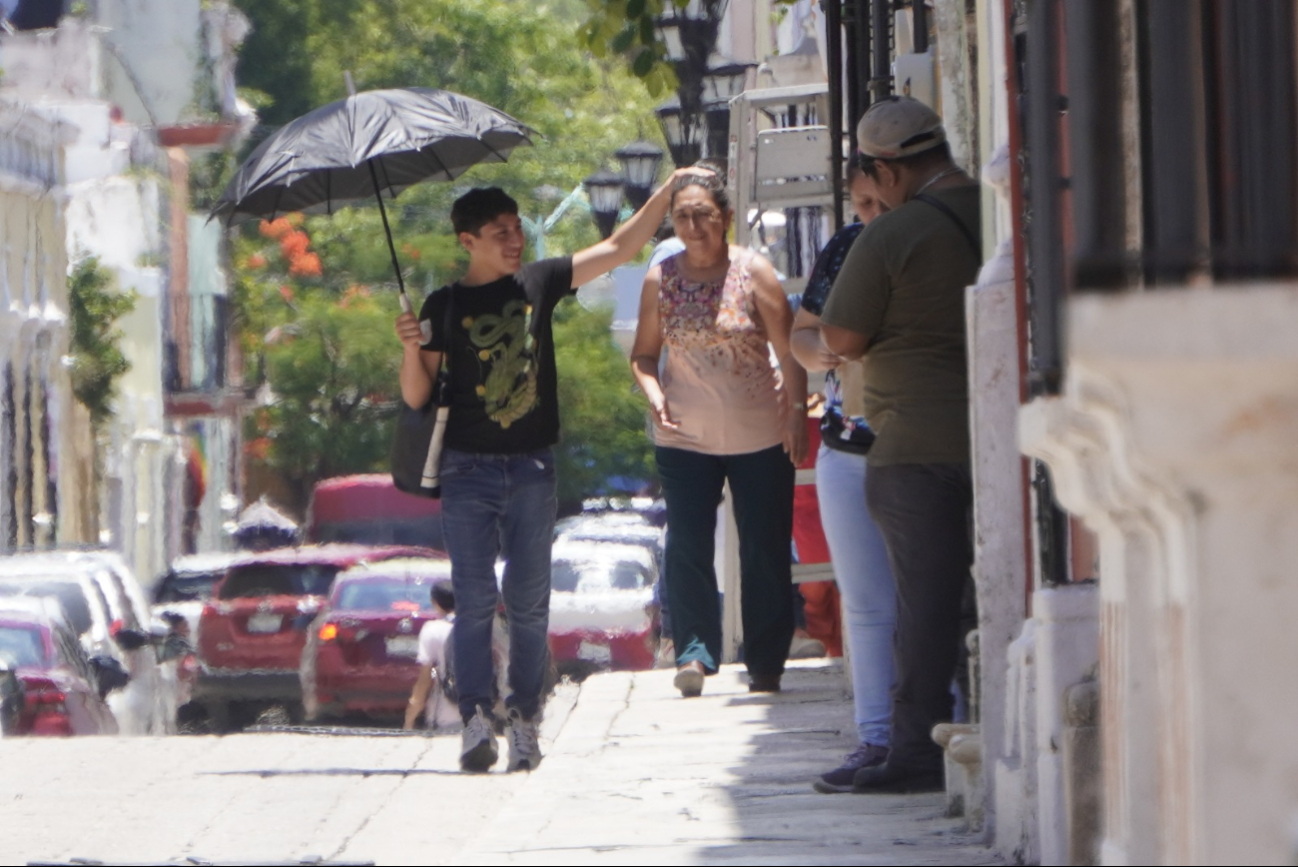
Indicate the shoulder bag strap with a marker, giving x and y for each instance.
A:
(442, 386)
(964, 230)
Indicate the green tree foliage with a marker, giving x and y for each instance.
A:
(334, 374)
(603, 419)
(96, 341)
(626, 27)
(318, 331)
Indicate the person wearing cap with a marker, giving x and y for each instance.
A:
(898, 302)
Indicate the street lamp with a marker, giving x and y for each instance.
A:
(717, 117)
(605, 192)
(681, 130)
(724, 78)
(639, 162)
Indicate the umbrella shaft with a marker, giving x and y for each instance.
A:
(387, 230)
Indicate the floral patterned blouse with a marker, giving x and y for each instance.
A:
(719, 378)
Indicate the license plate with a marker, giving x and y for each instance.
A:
(403, 645)
(265, 622)
(592, 652)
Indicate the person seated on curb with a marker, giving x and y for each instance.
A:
(497, 468)
(434, 691)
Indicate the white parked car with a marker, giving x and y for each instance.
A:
(107, 608)
(602, 612)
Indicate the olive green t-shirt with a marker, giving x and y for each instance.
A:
(902, 285)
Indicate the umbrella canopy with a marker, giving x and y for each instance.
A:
(347, 151)
(261, 525)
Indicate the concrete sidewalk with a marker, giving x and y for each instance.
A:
(633, 775)
(637, 775)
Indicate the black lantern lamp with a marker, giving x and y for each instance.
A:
(681, 131)
(717, 118)
(671, 28)
(687, 29)
(725, 78)
(605, 192)
(639, 162)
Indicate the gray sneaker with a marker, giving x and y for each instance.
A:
(524, 750)
(840, 780)
(478, 750)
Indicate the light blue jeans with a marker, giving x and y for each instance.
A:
(860, 561)
(494, 505)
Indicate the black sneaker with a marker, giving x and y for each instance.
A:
(885, 779)
(840, 780)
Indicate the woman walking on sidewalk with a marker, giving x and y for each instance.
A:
(721, 413)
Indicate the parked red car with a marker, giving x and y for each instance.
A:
(60, 691)
(252, 631)
(360, 653)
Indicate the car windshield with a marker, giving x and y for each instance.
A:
(599, 574)
(21, 647)
(187, 586)
(253, 582)
(70, 593)
(386, 594)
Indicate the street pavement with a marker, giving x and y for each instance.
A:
(633, 775)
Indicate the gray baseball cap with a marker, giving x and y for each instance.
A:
(898, 126)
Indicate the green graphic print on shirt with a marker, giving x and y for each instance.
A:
(504, 346)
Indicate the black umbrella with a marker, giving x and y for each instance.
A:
(347, 151)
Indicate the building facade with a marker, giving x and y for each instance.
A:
(109, 114)
(1134, 383)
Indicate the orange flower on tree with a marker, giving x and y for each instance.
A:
(286, 292)
(256, 261)
(294, 244)
(275, 229)
(305, 265)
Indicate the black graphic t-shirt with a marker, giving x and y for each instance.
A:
(501, 358)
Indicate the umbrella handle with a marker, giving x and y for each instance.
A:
(406, 306)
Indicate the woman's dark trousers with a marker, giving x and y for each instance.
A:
(761, 484)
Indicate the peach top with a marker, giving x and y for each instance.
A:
(721, 385)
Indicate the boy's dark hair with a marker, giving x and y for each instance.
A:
(715, 184)
(480, 206)
(940, 155)
(443, 596)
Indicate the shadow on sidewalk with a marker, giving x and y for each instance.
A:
(797, 734)
(266, 773)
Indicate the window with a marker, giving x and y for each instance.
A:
(22, 647)
(254, 582)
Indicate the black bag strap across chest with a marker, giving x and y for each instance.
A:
(955, 218)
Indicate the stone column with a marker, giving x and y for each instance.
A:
(1175, 440)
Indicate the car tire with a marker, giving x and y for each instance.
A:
(220, 720)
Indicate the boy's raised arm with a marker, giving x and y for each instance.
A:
(622, 246)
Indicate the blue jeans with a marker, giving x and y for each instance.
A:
(494, 505)
(860, 560)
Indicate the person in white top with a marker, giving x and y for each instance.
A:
(428, 695)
